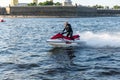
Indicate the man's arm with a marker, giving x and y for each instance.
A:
(63, 31)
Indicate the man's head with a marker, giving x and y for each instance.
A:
(66, 24)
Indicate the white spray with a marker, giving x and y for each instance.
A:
(100, 39)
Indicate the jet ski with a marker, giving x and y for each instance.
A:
(59, 40)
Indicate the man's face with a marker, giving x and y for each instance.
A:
(66, 24)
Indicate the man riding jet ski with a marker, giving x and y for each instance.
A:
(68, 30)
(59, 40)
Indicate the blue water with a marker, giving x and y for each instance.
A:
(25, 55)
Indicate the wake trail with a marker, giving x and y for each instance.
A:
(100, 39)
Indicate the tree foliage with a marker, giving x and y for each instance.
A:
(57, 3)
(32, 4)
(98, 6)
(106, 7)
(49, 3)
(46, 3)
(116, 7)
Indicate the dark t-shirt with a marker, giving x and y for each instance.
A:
(68, 28)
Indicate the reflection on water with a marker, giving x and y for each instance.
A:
(64, 64)
(63, 55)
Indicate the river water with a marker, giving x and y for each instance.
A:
(25, 55)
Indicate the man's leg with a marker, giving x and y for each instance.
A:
(71, 35)
(68, 34)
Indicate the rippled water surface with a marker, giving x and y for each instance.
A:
(25, 55)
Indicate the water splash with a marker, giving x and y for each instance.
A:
(101, 39)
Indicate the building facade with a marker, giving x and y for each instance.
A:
(35, 1)
(67, 3)
(16, 2)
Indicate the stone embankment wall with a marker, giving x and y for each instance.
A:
(64, 11)
(2, 11)
(108, 12)
(58, 11)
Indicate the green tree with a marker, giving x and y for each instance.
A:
(40, 3)
(46, 3)
(98, 6)
(49, 3)
(116, 7)
(57, 3)
(32, 4)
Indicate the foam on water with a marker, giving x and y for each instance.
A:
(101, 39)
